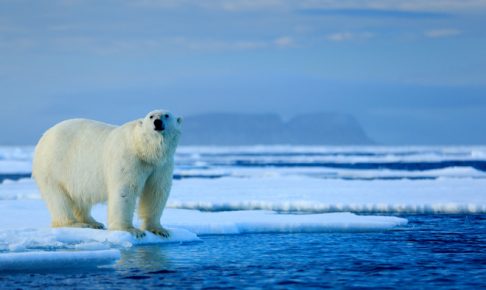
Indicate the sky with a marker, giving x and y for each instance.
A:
(411, 72)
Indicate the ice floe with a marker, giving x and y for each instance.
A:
(310, 195)
(242, 222)
(52, 260)
(26, 238)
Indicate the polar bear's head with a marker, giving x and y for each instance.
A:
(163, 122)
(157, 135)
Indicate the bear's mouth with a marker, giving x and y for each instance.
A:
(159, 125)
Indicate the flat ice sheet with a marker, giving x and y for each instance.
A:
(306, 194)
(25, 227)
(242, 222)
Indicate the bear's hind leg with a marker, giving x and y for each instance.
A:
(84, 218)
(60, 206)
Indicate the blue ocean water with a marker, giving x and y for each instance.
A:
(432, 251)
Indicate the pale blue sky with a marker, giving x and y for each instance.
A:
(412, 72)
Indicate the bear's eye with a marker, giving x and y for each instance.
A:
(166, 116)
(152, 116)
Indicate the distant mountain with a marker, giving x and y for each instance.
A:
(267, 129)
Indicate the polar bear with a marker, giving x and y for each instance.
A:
(78, 163)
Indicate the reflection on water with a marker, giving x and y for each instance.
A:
(145, 258)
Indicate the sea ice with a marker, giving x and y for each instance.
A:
(237, 200)
(242, 222)
(310, 195)
(48, 260)
(25, 227)
(314, 195)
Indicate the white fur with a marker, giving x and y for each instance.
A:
(79, 163)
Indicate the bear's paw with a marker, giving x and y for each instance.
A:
(136, 233)
(160, 231)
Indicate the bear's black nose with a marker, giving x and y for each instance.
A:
(159, 125)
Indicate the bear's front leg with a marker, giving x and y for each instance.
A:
(151, 205)
(121, 205)
(151, 219)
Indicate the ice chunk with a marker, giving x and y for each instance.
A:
(22, 240)
(313, 195)
(241, 222)
(40, 260)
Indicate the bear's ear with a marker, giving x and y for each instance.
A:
(179, 120)
(140, 122)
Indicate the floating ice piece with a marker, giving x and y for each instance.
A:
(242, 222)
(327, 173)
(25, 227)
(15, 159)
(338, 154)
(318, 207)
(24, 188)
(313, 195)
(43, 260)
(309, 195)
(22, 240)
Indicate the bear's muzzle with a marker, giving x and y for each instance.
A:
(159, 125)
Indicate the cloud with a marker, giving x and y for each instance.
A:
(284, 41)
(439, 33)
(61, 40)
(244, 5)
(226, 5)
(372, 13)
(216, 44)
(349, 36)
(264, 5)
(340, 36)
(230, 45)
(18, 44)
(400, 5)
(101, 46)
